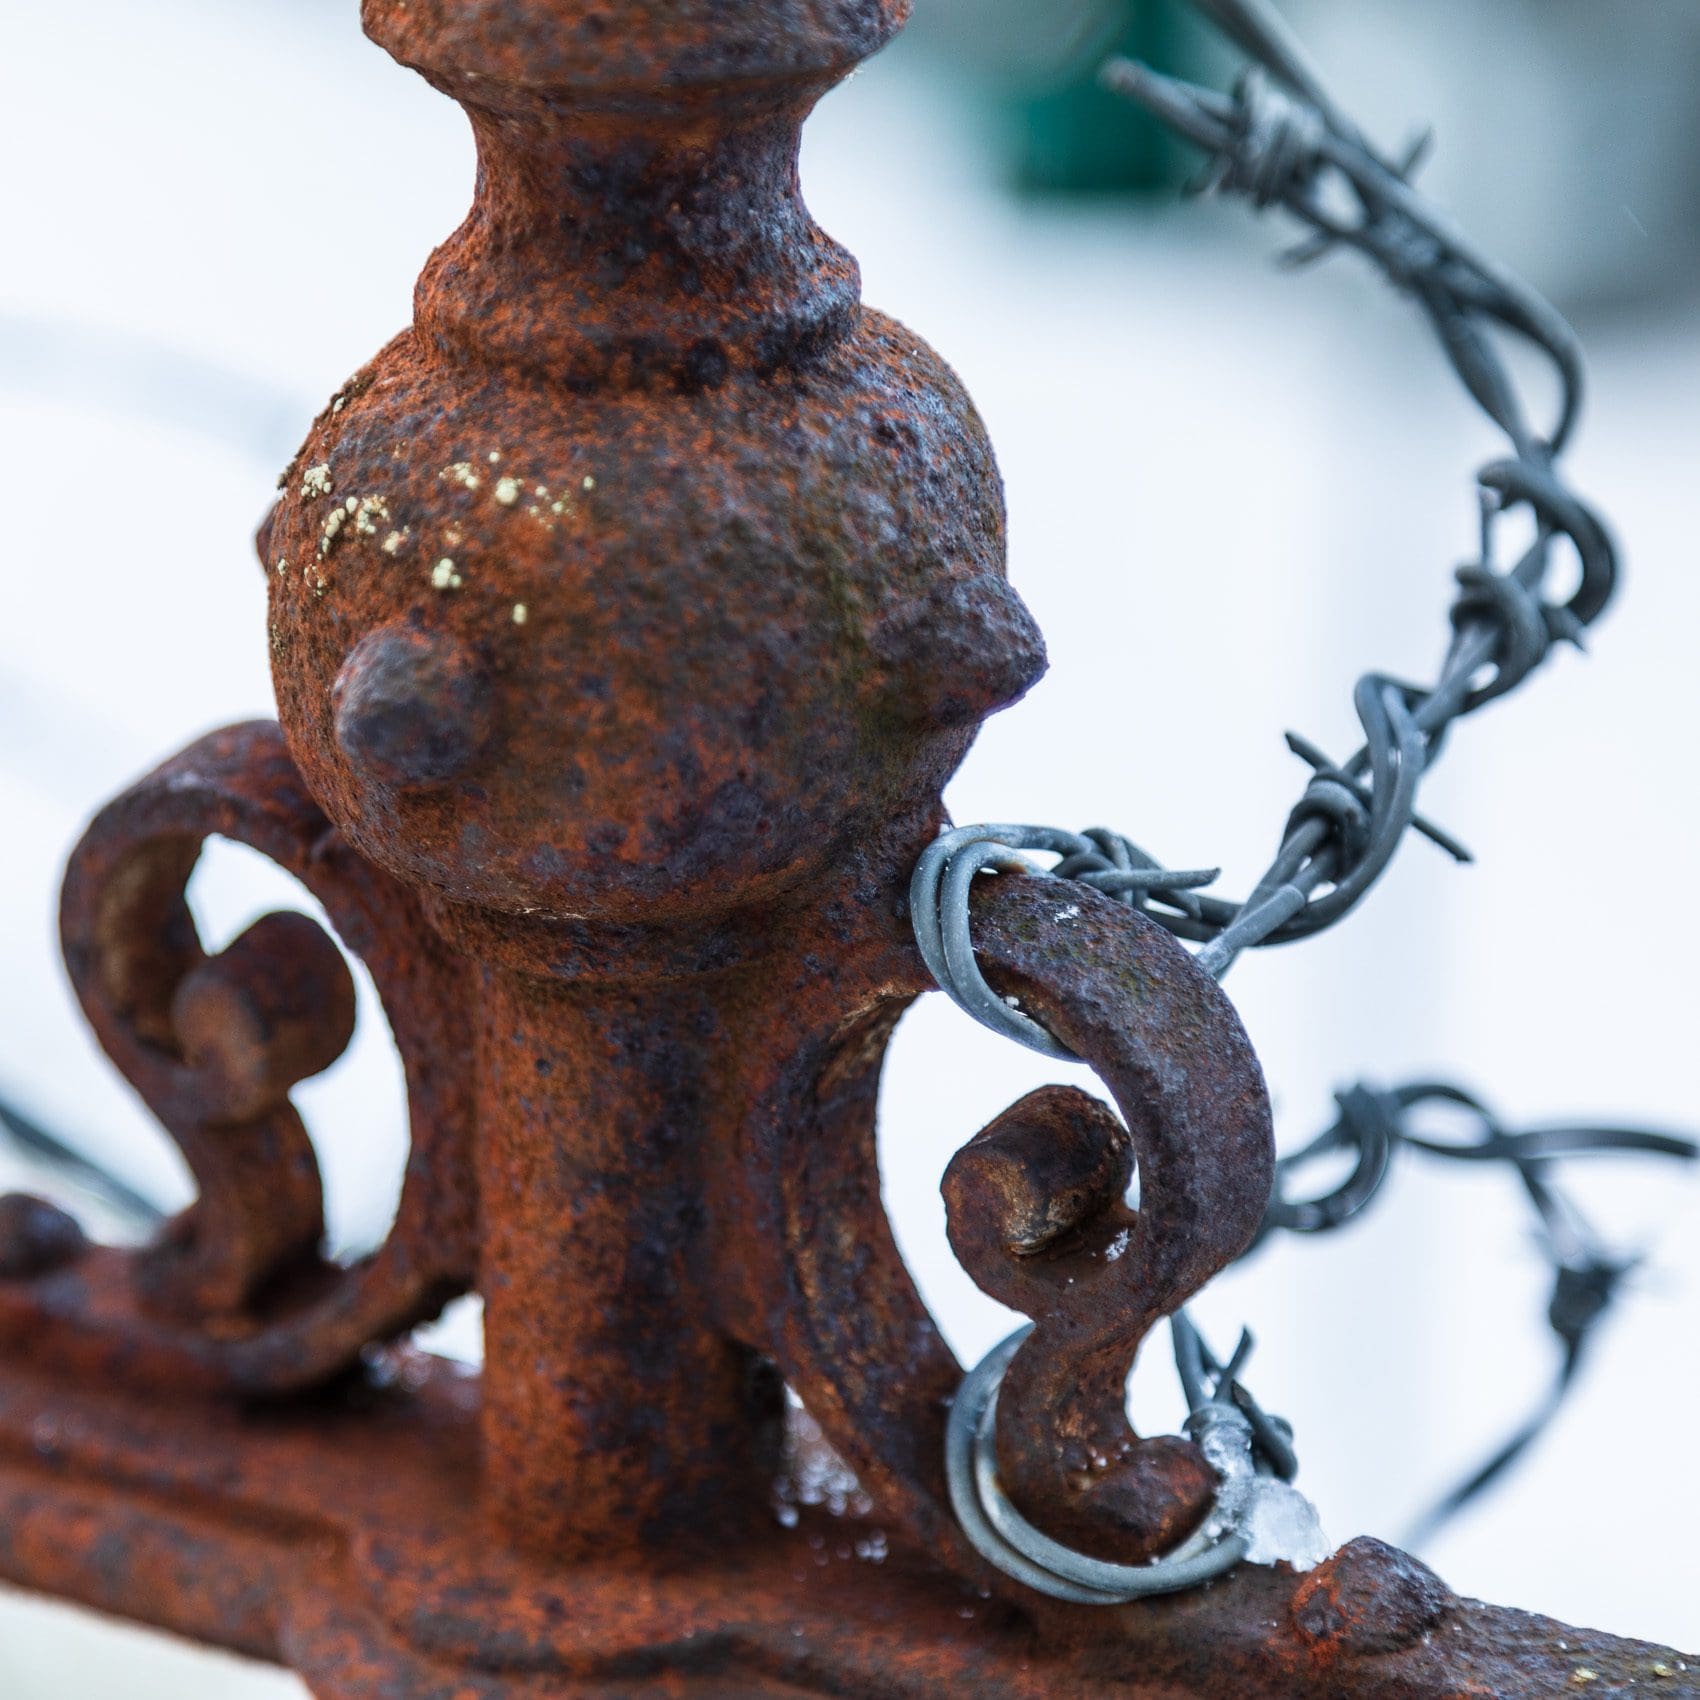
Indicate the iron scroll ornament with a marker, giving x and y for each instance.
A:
(1037, 1213)
(236, 1294)
(236, 1291)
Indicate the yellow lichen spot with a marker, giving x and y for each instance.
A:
(557, 507)
(282, 568)
(316, 481)
(393, 543)
(1662, 1669)
(521, 613)
(507, 491)
(335, 520)
(495, 457)
(590, 483)
(445, 577)
(1582, 1676)
(541, 492)
(461, 473)
(371, 510)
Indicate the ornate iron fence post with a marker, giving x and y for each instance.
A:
(629, 613)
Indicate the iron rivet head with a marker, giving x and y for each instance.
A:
(1369, 1598)
(36, 1238)
(413, 708)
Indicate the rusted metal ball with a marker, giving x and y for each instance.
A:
(1369, 1598)
(413, 708)
(692, 617)
(719, 550)
(36, 1238)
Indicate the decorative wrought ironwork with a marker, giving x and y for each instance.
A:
(628, 614)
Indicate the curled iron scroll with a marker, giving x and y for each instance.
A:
(1038, 1215)
(237, 1290)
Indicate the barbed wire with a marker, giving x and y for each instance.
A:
(1373, 1125)
(58, 1154)
(1281, 141)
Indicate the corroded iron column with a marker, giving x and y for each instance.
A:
(604, 611)
(618, 1418)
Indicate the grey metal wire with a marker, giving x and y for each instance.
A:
(1000, 1534)
(60, 1155)
(1374, 1124)
(1280, 140)
(938, 906)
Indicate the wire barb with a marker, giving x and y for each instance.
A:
(1280, 140)
(1373, 1124)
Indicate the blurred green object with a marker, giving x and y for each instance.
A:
(1078, 139)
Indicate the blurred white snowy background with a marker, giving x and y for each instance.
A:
(1229, 493)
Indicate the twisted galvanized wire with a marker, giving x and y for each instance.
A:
(1280, 140)
(1588, 1275)
(1251, 1451)
(999, 1532)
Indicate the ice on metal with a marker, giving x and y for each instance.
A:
(1278, 1521)
(1283, 1527)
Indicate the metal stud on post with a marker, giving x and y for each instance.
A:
(629, 613)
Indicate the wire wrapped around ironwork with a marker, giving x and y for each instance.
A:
(938, 906)
(1251, 1452)
(1281, 141)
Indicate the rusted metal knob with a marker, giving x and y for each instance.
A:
(36, 1238)
(274, 1009)
(413, 709)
